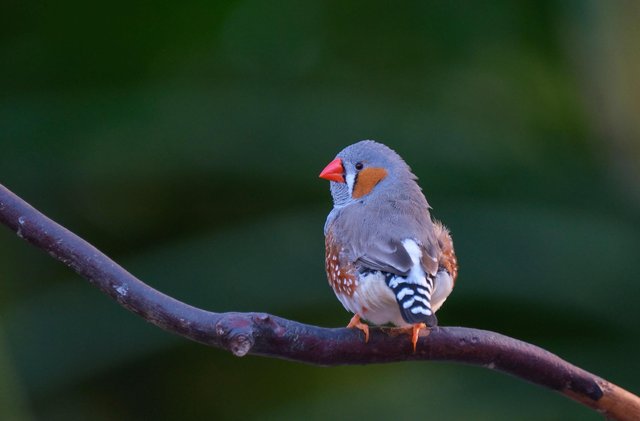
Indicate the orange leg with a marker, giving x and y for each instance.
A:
(355, 322)
(415, 332)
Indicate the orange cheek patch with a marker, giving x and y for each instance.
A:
(367, 180)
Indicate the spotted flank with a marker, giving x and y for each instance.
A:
(414, 299)
(340, 276)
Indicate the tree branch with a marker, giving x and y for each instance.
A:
(272, 336)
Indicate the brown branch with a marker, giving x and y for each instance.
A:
(267, 335)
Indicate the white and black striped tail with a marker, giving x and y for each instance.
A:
(414, 299)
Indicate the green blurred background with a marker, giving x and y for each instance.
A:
(184, 139)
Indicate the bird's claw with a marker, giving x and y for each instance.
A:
(415, 333)
(356, 323)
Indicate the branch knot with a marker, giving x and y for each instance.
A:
(236, 334)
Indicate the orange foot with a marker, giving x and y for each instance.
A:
(415, 331)
(355, 322)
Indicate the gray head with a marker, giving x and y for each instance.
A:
(367, 169)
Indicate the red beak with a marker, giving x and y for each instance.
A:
(334, 171)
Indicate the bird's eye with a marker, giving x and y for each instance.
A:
(359, 166)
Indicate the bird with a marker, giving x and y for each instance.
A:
(387, 260)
